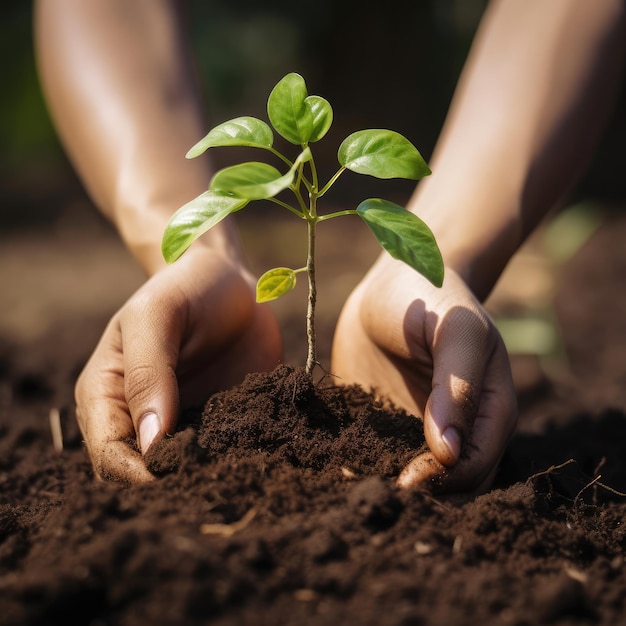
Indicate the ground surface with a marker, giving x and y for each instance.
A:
(269, 517)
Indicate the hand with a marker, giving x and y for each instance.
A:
(191, 329)
(437, 354)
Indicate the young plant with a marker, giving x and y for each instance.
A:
(302, 119)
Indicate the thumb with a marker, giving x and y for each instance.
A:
(151, 341)
(461, 350)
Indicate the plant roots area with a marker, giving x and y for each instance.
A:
(276, 501)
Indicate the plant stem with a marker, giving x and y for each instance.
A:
(311, 359)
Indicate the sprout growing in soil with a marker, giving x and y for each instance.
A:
(302, 119)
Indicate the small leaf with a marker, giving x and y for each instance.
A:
(288, 112)
(275, 283)
(405, 236)
(322, 116)
(383, 154)
(195, 218)
(241, 131)
(255, 180)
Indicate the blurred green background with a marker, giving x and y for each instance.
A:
(390, 65)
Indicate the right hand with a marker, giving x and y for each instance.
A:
(193, 328)
(437, 354)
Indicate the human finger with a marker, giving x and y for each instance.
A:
(151, 335)
(486, 440)
(103, 416)
(462, 346)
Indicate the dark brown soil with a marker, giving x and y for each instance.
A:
(277, 504)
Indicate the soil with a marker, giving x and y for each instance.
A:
(276, 502)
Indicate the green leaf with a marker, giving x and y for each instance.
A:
(405, 236)
(383, 154)
(292, 118)
(255, 180)
(275, 283)
(195, 218)
(241, 131)
(322, 116)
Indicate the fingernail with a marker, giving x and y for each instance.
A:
(452, 438)
(149, 428)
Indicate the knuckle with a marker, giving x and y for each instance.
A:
(141, 302)
(140, 384)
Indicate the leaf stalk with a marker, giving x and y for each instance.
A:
(330, 216)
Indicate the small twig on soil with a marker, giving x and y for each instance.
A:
(596, 481)
(596, 472)
(621, 494)
(551, 469)
(589, 484)
(228, 530)
(54, 418)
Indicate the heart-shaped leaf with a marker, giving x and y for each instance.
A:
(322, 116)
(241, 131)
(275, 283)
(195, 218)
(288, 111)
(405, 236)
(383, 154)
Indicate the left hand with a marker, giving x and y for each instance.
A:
(193, 328)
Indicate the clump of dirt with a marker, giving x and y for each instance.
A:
(283, 418)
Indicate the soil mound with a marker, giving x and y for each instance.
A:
(277, 505)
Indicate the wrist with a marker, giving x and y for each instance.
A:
(141, 223)
(478, 238)
(210, 259)
(479, 257)
(143, 231)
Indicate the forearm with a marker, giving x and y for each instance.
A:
(528, 111)
(120, 87)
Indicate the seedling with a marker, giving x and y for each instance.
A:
(302, 119)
